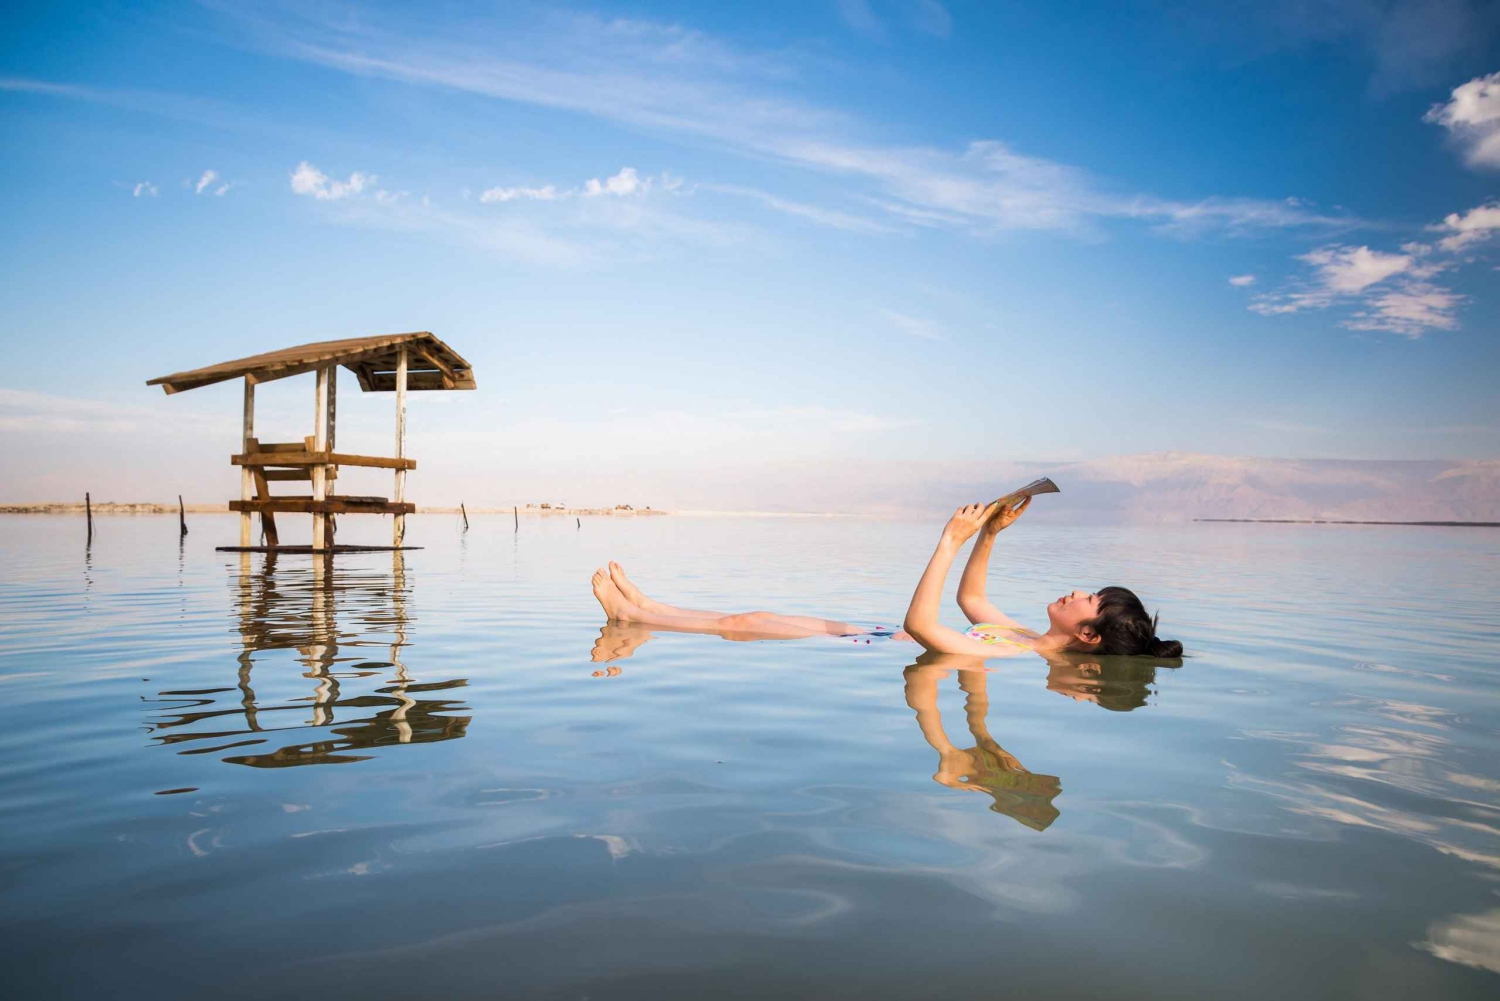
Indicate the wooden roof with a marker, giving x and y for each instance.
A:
(431, 364)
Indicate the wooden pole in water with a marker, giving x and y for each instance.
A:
(320, 471)
(580, 522)
(181, 517)
(516, 513)
(401, 364)
(247, 431)
(465, 513)
(88, 509)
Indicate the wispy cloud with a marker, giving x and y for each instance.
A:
(862, 19)
(1345, 275)
(1472, 227)
(1472, 118)
(143, 189)
(623, 184)
(208, 177)
(309, 180)
(667, 80)
(1390, 292)
(1242, 281)
(26, 411)
(916, 326)
(546, 193)
(812, 213)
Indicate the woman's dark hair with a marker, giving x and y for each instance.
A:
(1124, 628)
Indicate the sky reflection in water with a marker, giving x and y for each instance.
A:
(530, 802)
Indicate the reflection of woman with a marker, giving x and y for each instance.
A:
(987, 767)
(1119, 684)
(1110, 621)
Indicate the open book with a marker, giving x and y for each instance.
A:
(1041, 486)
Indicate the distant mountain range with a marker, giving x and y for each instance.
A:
(1161, 487)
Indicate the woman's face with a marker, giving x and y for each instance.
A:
(1068, 614)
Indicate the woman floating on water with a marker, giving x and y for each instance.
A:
(1110, 621)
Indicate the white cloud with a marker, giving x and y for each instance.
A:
(143, 188)
(309, 180)
(1347, 270)
(547, 193)
(1470, 939)
(1472, 118)
(626, 182)
(927, 330)
(209, 177)
(219, 191)
(1391, 292)
(1474, 226)
(1412, 310)
(385, 197)
(1240, 281)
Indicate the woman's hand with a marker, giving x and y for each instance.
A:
(965, 522)
(1004, 517)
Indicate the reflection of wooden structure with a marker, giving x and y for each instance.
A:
(389, 363)
(327, 619)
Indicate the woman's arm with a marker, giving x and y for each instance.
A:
(971, 586)
(922, 615)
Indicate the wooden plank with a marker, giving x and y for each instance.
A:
(402, 361)
(305, 458)
(277, 446)
(332, 505)
(289, 475)
(268, 526)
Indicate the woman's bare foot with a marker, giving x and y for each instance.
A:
(615, 605)
(632, 593)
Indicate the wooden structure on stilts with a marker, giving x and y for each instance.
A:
(389, 363)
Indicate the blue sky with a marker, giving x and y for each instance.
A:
(671, 236)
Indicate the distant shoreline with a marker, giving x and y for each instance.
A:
(1335, 521)
(115, 507)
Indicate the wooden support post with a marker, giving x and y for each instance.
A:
(319, 472)
(88, 510)
(330, 525)
(248, 432)
(400, 519)
(465, 513)
(181, 517)
(515, 513)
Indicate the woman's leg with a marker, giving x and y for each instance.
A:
(636, 597)
(746, 625)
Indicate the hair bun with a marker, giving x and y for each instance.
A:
(1164, 648)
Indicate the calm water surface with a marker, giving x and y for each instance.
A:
(401, 777)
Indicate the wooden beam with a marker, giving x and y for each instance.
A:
(247, 439)
(450, 378)
(330, 505)
(306, 458)
(402, 360)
